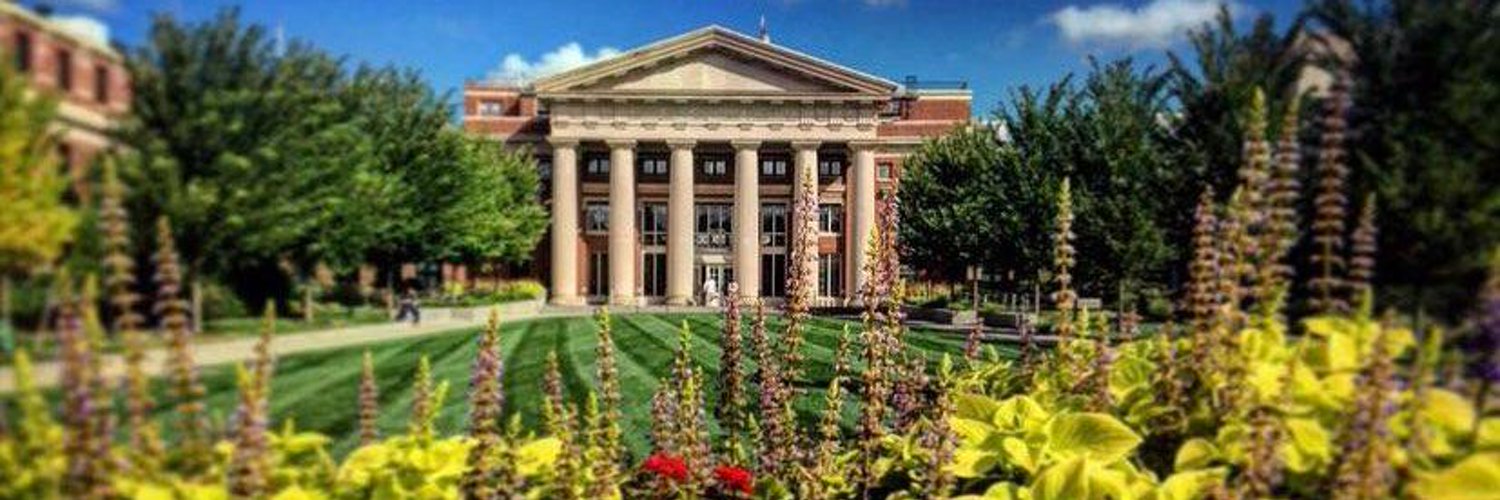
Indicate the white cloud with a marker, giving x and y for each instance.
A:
(84, 27)
(517, 69)
(1155, 24)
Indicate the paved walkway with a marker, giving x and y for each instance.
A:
(243, 348)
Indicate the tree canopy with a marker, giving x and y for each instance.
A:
(1139, 146)
(972, 199)
(265, 159)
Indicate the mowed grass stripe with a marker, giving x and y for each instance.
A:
(320, 390)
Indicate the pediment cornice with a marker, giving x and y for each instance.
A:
(835, 82)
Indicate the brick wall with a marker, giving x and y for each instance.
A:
(98, 92)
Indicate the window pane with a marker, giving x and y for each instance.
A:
(23, 51)
(65, 70)
(596, 217)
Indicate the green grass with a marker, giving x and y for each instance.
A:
(320, 390)
(327, 318)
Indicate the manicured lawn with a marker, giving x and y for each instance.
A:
(332, 318)
(320, 390)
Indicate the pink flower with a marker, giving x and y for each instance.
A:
(735, 478)
(667, 466)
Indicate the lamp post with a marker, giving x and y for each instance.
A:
(974, 272)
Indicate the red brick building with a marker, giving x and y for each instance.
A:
(87, 77)
(671, 168)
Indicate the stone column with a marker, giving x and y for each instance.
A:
(806, 173)
(746, 219)
(565, 222)
(862, 220)
(622, 237)
(680, 228)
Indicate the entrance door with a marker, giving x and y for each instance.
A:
(721, 275)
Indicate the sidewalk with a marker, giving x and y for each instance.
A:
(240, 349)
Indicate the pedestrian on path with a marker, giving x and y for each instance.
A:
(409, 307)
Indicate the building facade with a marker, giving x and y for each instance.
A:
(671, 169)
(86, 77)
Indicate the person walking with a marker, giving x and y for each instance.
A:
(409, 307)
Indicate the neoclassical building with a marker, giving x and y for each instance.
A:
(673, 166)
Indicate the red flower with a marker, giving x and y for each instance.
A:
(666, 466)
(735, 478)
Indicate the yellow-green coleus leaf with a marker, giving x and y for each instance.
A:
(539, 455)
(1095, 435)
(1266, 379)
(1019, 414)
(1488, 438)
(971, 433)
(1448, 411)
(297, 493)
(970, 463)
(975, 407)
(1187, 485)
(1309, 447)
(1476, 477)
(1196, 453)
(1017, 452)
(1264, 343)
(1065, 480)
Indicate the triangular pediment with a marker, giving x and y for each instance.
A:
(714, 71)
(714, 61)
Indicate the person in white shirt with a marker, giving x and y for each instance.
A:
(710, 293)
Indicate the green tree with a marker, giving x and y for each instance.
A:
(495, 214)
(409, 127)
(949, 192)
(251, 154)
(35, 223)
(1214, 87)
(1426, 139)
(970, 199)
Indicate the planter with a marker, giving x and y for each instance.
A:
(943, 316)
(1004, 319)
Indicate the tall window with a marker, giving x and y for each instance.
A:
(831, 219)
(65, 157)
(831, 275)
(23, 51)
(101, 83)
(597, 165)
(653, 224)
(599, 273)
(714, 225)
(596, 217)
(715, 167)
(654, 273)
(773, 167)
(65, 70)
(653, 165)
(773, 225)
(883, 170)
(773, 274)
(830, 167)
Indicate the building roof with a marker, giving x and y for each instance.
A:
(717, 37)
(52, 28)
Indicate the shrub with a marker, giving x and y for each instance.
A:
(221, 302)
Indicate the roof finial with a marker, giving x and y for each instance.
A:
(765, 34)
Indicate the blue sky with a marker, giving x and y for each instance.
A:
(995, 45)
